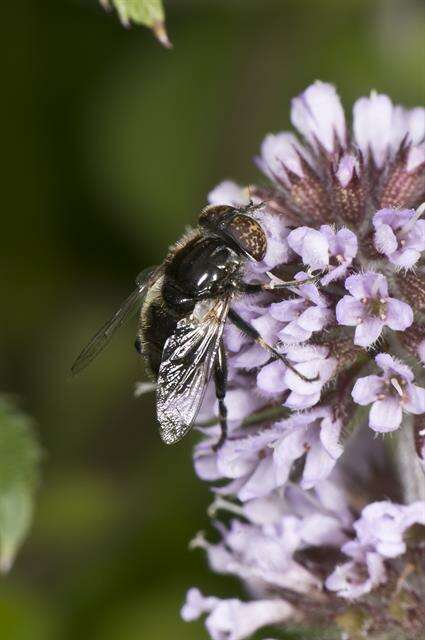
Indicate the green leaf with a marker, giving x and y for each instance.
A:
(20, 456)
(149, 13)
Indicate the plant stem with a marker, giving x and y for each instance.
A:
(411, 473)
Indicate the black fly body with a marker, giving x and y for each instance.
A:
(184, 305)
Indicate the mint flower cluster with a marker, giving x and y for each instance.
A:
(308, 528)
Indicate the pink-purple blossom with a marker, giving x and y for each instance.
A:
(303, 314)
(400, 235)
(233, 619)
(379, 535)
(259, 463)
(370, 308)
(390, 394)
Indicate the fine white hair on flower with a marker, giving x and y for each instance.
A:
(308, 530)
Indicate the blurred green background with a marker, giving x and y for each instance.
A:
(110, 144)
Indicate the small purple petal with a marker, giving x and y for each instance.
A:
(368, 331)
(367, 389)
(390, 365)
(311, 245)
(367, 285)
(287, 310)
(385, 239)
(293, 333)
(416, 400)
(385, 415)
(399, 315)
(349, 311)
(271, 378)
(315, 318)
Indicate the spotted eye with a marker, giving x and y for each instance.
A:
(248, 234)
(242, 230)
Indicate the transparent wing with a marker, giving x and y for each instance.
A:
(102, 338)
(186, 366)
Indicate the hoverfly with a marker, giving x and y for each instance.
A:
(184, 304)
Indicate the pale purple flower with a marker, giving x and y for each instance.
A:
(311, 245)
(382, 526)
(323, 511)
(261, 555)
(352, 580)
(316, 434)
(311, 361)
(281, 156)
(342, 250)
(379, 536)
(390, 394)
(369, 308)
(308, 312)
(233, 619)
(380, 127)
(257, 464)
(325, 249)
(400, 235)
(318, 115)
(249, 461)
(316, 365)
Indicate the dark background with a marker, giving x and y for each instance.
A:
(109, 146)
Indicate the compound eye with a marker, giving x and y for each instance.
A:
(213, 215)
(249, 236)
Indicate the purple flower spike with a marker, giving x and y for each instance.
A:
(390, 394)
(369, 308)
(400, 235)
(342, 201)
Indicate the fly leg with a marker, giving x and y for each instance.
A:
(247, 287)
(220, 379)
(251, 332)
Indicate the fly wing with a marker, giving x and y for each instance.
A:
(102, 338)
(186, 366)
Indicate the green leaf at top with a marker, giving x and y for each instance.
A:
(149, 13)
(19, 473)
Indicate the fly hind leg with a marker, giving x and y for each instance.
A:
(220, 379)
(251, 332)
